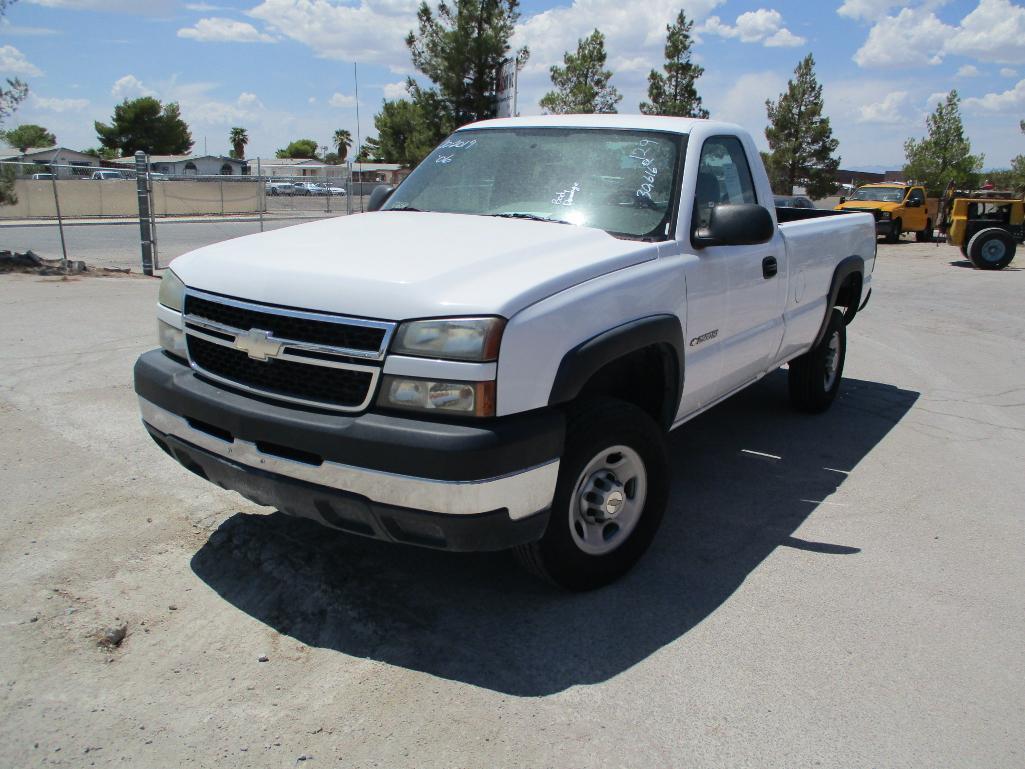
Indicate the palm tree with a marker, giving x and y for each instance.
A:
(238, 139)
(342, 140)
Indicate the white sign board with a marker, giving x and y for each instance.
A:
(507, 89)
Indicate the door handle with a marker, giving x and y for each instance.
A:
(769, 267)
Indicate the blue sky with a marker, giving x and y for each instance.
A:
(284, 68)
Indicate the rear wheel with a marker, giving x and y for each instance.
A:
(991, 249)
(925, 236)
(815, 376)
(609, 500)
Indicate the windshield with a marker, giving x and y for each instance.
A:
(880, 194)
(623, 182)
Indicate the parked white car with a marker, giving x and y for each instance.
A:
(107, 176)
(495, 357)
(279, 188)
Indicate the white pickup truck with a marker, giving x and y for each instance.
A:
(494, 356)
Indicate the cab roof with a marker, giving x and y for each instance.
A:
(680, 125)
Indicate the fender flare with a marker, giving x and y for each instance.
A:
(852, 265)
(587, 359)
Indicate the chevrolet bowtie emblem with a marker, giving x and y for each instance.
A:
(258, 345)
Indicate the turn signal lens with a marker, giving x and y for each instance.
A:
(469, 398)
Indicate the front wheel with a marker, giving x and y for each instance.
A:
(815, 376)
(895, 229)
(925, 236)
(609, 500)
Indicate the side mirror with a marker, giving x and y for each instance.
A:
(736, 225)
(379, 196)
(914, 204)
(843, 199)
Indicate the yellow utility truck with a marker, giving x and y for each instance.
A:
(897, 208)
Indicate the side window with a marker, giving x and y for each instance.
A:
(916, 196)
(724, 176)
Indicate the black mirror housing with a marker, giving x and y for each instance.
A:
(736, 225)
(843, 199)
(380, 196)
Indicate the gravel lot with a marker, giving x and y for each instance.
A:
(837, 591)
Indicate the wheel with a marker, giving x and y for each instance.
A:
(991, 249)
(815, 376)
(895, 229)
(925, 236)
(609, 500)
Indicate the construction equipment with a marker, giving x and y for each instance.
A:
(987, 225)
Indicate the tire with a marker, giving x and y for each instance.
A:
(895, 229)
(925, 236)
(579, 551)
(815, 376)
(991, 249)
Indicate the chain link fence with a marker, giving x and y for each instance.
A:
(90, 213)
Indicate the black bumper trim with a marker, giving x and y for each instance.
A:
(355, 514)
(445, 451)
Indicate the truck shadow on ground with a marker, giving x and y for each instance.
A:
(970, 266)
(478, 619)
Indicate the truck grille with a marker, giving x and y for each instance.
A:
(356, 338)
(333, 386)
(316, 359)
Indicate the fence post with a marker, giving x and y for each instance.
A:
(145, 213)
(261, 193)
(60, 220)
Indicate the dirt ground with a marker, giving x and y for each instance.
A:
(836, 591)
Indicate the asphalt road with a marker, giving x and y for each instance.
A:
(837, 591)
(116, 244)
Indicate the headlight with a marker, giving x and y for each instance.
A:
(172, 291)
(472, 339)
(469, 398)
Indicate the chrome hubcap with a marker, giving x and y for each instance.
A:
(832, 360)
(993, 251)
(608, 500)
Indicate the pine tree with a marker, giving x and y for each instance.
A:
(461, 47)
(674, 92)
(944, 155)
(582, 86)
(800, 137)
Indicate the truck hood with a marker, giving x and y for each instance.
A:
(395, 265)
(867, 205)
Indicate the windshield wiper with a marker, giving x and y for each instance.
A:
(532, 217)
(404, 208)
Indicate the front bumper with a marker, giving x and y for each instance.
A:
(454, 486)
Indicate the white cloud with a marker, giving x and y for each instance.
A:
(14, 63)
(913, 37)
(312, 100)
(784, 39)
(220, 30)
(761, 26)
(1008, 72)
(58, 105)
(869, 10)
(341, 100)
(129, 87)
(367, 31)
(889, 111)
(395, 90)
(1012, 100)
(994, 31)
(204, 7)
(968, 70)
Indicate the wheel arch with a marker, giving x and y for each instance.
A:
(844, 291)
(603, 363)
